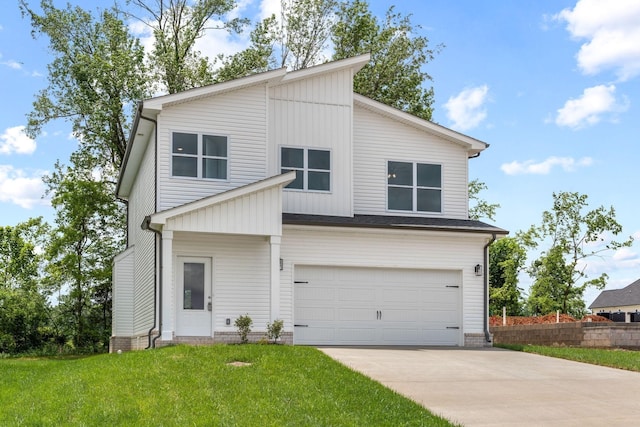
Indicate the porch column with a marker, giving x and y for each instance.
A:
(168, 319)
(274, 243)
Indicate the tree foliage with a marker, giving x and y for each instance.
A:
(96, 75)
(574, 236)
(507, 258)
(480, 207)
(176, 26)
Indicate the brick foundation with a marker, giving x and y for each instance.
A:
(476, 340)
(141, 342)
(574, 334)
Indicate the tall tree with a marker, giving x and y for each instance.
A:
(395, 76)
(96, 77)
(176, 26)
(507, 258)
(88, 233)
(574, 235)
(480, 207)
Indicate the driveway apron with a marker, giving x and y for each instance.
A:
(496, 387)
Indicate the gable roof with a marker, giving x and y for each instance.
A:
(629, 295)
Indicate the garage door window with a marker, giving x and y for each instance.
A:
(414, 187)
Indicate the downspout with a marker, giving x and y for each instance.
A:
(487, 334)
(157, 278)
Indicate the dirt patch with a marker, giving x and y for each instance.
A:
(239, 364)
(549, 318)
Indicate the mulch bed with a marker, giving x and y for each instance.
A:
(549, 318)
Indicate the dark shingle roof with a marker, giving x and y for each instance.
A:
(629, 295)
(395, 222)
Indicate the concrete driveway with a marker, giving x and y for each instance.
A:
(495, 387)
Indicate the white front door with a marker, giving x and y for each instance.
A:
(194, 306)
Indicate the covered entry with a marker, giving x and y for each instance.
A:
(376, 306)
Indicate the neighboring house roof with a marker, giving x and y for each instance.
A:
(395, 222)
(629, 295)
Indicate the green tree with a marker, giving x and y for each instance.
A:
(23, 308)
(87, 234)
(480, 207)
(574, 235)
(395, 76)
(176, 26)
(507, 258)
(95, 78)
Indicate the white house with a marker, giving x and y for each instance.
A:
(284, 195)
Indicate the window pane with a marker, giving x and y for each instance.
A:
(319, 181)
(400, 173)
(215, 146)
(319, 159)
(297, 183)
(400, 199)
(185, 166)
(193, 286)
(292, 157)
(185, 143)
(429, 200)
(429, 176)
(214, 168)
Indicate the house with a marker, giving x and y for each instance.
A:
(284, 195)
(619, 305)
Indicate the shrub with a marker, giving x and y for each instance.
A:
(275, 329)
(243, 323)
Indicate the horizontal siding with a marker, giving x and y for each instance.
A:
(240, 275)
(123, 280)
(378, 139)
(415, 250)
(239, 115)
(301, 124)
(256, 213)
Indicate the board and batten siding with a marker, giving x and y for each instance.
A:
(123, 276)
(141, 204)
(241, 117)
(241, 273)
(378, 139)
(424, 250)
(315, 113)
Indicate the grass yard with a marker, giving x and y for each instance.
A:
(182, 385)
(614, 358)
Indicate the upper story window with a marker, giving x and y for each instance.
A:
(414, 187)
(312, 166)
(199, 156)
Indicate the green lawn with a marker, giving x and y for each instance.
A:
(283, 386)
(614, 358)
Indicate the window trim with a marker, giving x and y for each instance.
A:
(305, 168)
(200, 157)
(414, 187)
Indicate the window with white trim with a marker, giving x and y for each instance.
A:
(312, 166)
(199, 156)
(414, 187)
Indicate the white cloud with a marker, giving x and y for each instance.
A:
(14, 140)
(20, 188)
(568, 164)
(467, 109)
(12, 64)
(589, 109)
(269, 7)
(612, 35)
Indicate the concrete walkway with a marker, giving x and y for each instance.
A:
(495, 387)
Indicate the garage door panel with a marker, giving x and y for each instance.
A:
(373, 306)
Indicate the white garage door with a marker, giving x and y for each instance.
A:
(374, 306)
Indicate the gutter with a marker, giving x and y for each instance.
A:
(487, 334)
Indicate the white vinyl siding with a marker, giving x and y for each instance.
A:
(378, 139)
(239, 115)
(315, 114)
(123, 279)
(388, 249)
(241, 271)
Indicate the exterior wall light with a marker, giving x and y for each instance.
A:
(478, 270)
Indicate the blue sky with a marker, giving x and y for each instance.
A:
(552, 85)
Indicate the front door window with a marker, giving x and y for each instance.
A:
(193, 286)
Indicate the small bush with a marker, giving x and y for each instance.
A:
(243, 323)
(274, 330)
